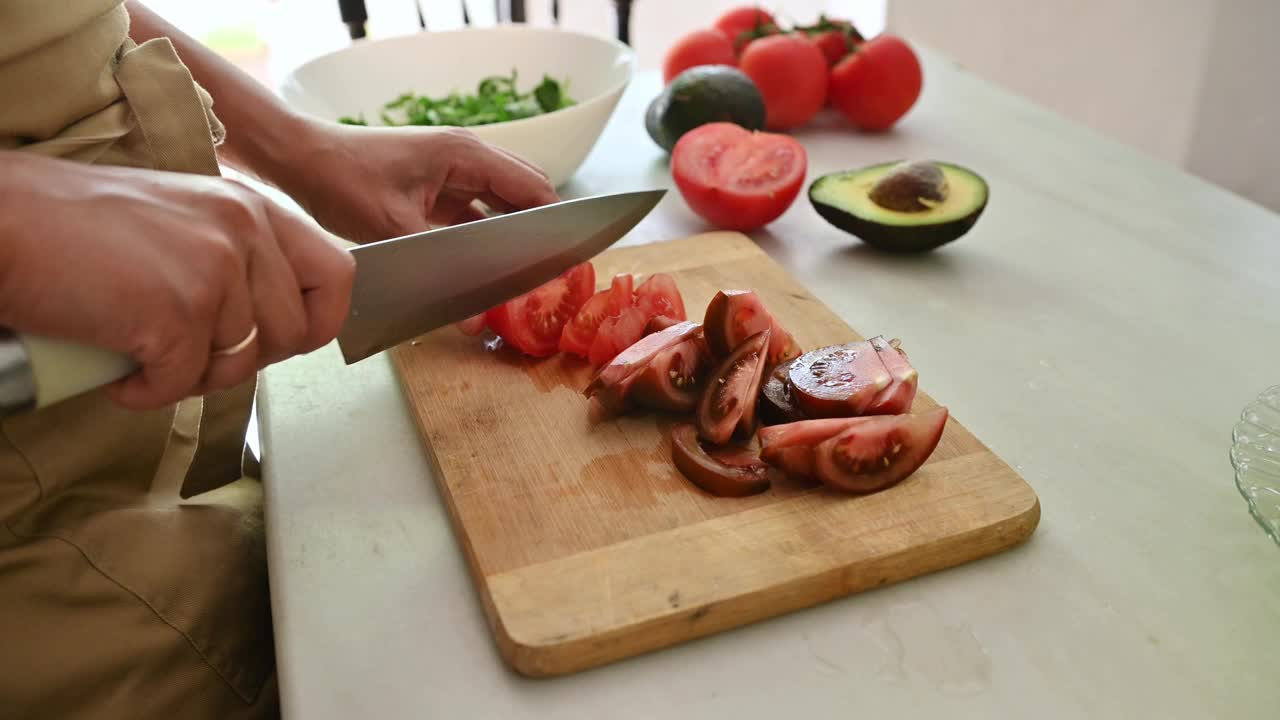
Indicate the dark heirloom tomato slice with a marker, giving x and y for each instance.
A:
(728, 472)
(673, 379)
(791, 447)
(659, 295)
(734, 315)
(874, 453)
(896, 398)
(533, 323)
(839, 380)
(729, 402)
(777, 406)
(638, 355)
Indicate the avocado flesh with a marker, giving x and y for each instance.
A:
(844, 200)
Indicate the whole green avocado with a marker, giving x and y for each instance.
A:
(701, 95)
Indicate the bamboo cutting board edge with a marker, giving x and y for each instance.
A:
(515, 600)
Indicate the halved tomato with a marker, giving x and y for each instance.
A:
(728, 472)
(738, 179)
(673, 379)
(658, 295)
(896, 398)
(734, 315)
(838, 380)
(580, 332)
(533, 323)
(729, 402)
(874, 453)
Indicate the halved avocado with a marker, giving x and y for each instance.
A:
(902, 206)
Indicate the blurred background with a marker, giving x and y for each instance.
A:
(1188, 81)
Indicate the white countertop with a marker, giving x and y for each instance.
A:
(1101, 328)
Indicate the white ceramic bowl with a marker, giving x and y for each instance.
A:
(363, 77)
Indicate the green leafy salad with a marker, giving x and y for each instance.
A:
(495, 100)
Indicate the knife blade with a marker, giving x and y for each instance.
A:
(404, 287)
(407, 286)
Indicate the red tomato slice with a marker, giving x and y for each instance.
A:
(896, 398)
(617, 334)
(838, 380)
(737, 179)
(532, 323)
(659, 296)
(579, 333)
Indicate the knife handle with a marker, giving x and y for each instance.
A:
(37, 371)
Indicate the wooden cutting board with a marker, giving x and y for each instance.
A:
(588, 546)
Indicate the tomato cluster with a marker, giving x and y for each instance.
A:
(871, 82)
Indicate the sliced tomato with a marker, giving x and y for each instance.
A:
(673, 380)
(658, 295)
(874, 453)
(729, 403)
(658, 324)
(838, 380)
(580, 332)
(777, 405)
(473, 325)
(896, 398)
(791, 447)
(737, 179)
(617, 334)
(638, 355)
(533, 323)
(734, 315)
(727, 472)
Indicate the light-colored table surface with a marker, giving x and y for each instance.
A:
(1101, 329)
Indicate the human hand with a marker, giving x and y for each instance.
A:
(166, 268)
(370, 183)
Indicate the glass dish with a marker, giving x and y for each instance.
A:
(1255, 455)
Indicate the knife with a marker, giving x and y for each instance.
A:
(404, 287)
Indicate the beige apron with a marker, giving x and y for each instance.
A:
(118, 597)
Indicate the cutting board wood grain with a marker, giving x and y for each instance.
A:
(588, 546)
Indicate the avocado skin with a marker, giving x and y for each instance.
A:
(897, 238)
(702, 95)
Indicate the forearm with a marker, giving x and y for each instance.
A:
(261, 129)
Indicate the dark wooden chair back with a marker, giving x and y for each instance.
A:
(355, 15)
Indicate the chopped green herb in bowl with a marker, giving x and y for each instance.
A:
(496, 100)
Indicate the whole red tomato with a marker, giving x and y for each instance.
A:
(876, 85)
(835, 37)
(791, 73)
(700, 47)
(744, 24)
(738, 179)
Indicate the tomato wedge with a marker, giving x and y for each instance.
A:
(658, 324)
(877, 452)
(580, 333)
(838, 380)
(533, 323)
(658, 295)
(734, 315)
(729, 403)
(791, 447)
(636, 357)
(617, 334)
(727, 472)
(673, 379)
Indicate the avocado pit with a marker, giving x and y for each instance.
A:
(911, 187)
